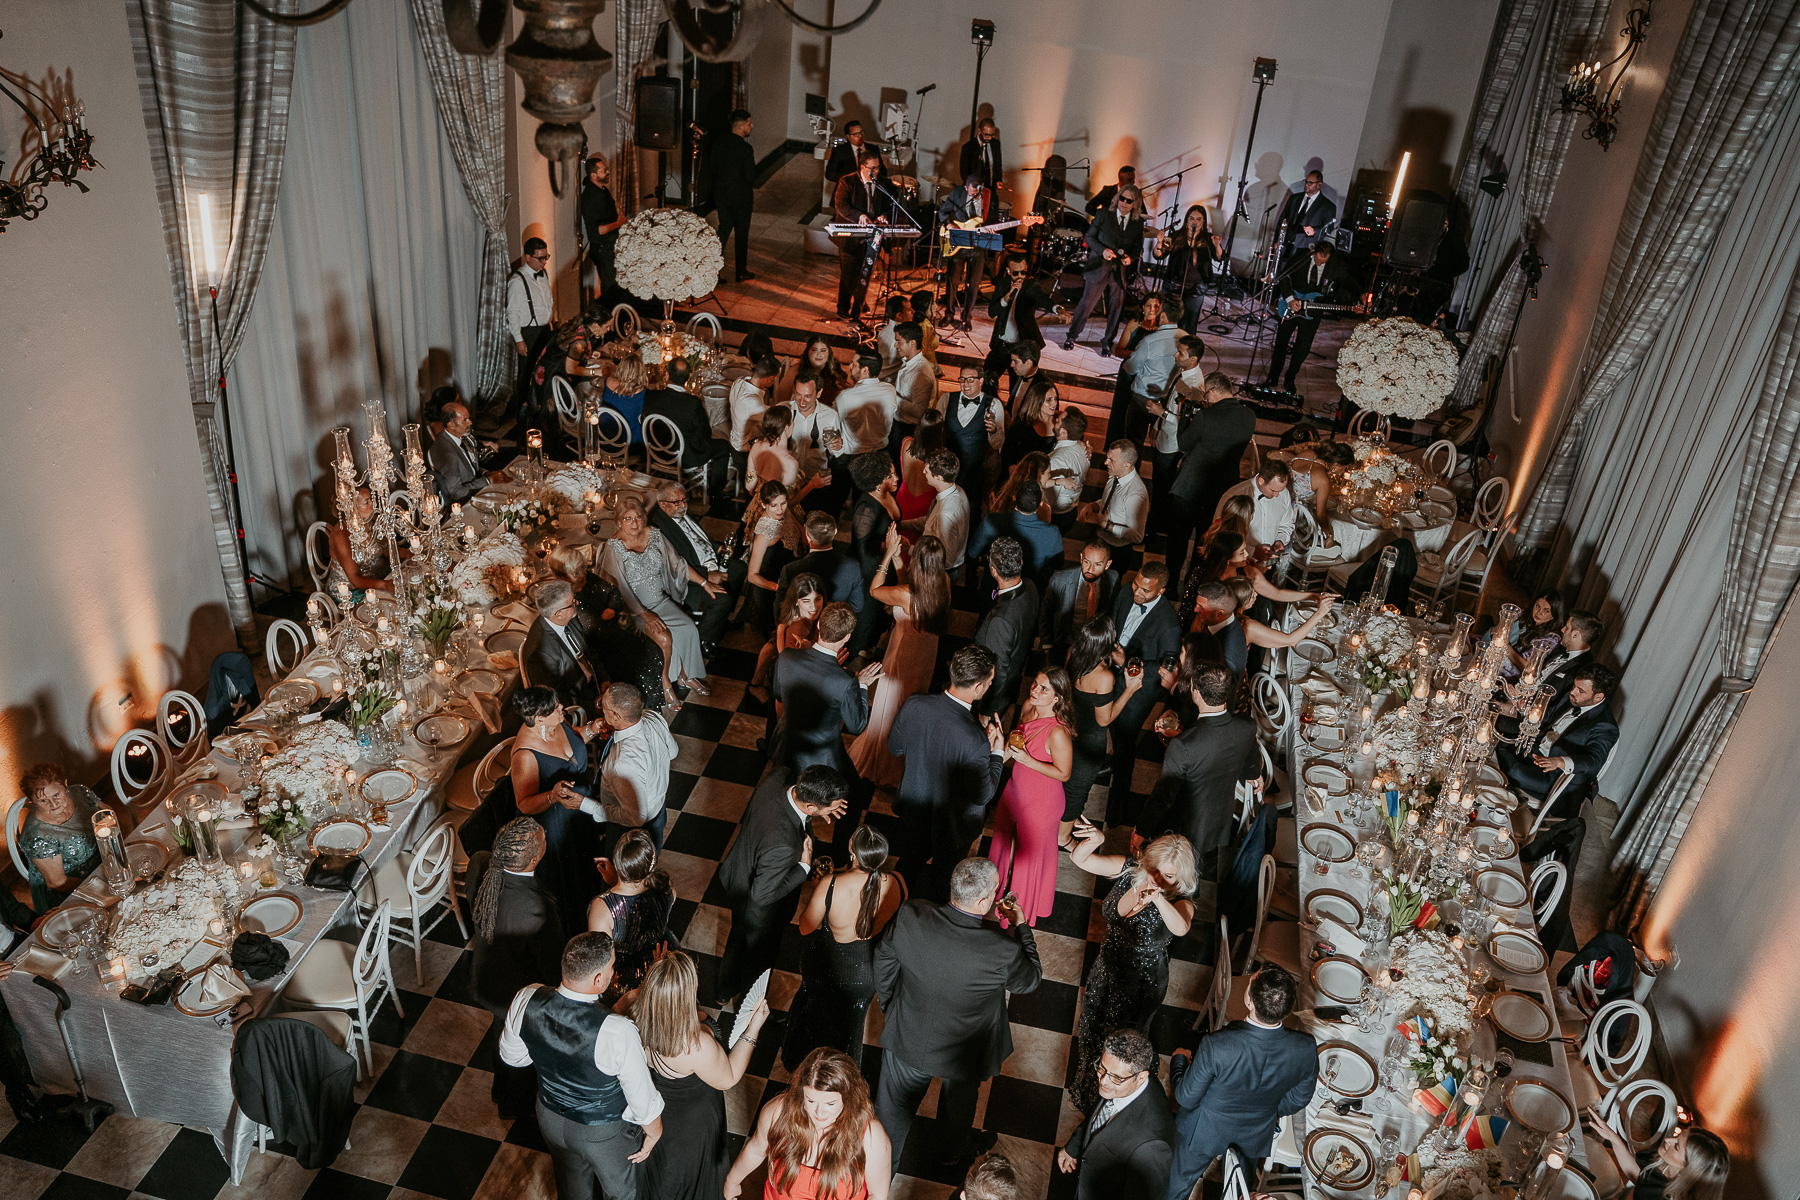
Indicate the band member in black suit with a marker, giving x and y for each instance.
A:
(1578, 733)
(818, 701)
(518, 939)
(953, 761)
(1306, 213)
(1122, 1152)
(1197, 794)
(942, 975)
(1009, 626)
(845, 154)
(981, 158)
(1102, 199)
(857, 201)
(1018, 299)
(762, 872)
(1240, 1082)
(1114, 241)
(555, 654)
(1321, 272)
(715, 598)
(966, 265)
(1212, 443)
(1149, 632)
(733, 169)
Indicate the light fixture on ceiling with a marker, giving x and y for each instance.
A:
(1588, 90)
(59, 159)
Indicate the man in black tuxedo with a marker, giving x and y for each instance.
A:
(1149, 631)
(1197, 794)
(1321, 275)
(1241, 1080)
(845, 154)
(857, 200)
(1581, 631)
(818, 700)
(1009, 626)
(1076, 595)
(1114, 241)
(1122, 1151)
(518, 939)
(699, 449)
(980, 157)
(1578, 734)
(840, 573)
(555, 654)
(1306, 213)
(1018, 299)
(942, 975)
(953, 761)
(733, 170)
(715, 598)
(1212, 443)
(762, 872)
(456, 458)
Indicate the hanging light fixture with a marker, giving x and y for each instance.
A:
(59, 159)
(1588, 90)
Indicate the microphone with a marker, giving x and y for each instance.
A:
(930, 87)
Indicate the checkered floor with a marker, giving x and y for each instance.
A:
(426, 1126)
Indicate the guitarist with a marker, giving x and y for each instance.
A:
(857, 201)
(966, 264)
(1319, 278)
(1114, 241)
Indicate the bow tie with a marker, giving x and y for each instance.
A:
(540, 274)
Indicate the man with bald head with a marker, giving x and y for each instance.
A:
(456, 457)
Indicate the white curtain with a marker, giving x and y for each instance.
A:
(372, 283)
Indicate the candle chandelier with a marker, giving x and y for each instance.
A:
(1588, 90)
(59, 159)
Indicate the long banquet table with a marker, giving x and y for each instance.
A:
(1405, 1118)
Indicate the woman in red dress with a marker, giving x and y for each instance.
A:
(914, 495)
(1042, 751)
(819, 1137)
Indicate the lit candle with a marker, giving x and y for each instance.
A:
(1412, 819)
(441, 667)
(1367, 712)
(1462, 854)
(456, 509)
(1446, 746)
(244, 871)
(1421, 688)
(116, 968)
(480, 620)
(534, 439)
(381, 624)
(337, 687)
(400, 707)
(1368, 748)
(216, 926)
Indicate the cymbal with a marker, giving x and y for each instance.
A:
(943, 183)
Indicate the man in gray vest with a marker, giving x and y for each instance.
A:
(597, 1108)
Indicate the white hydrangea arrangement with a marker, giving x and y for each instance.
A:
(572, 484)
(167, 919)
(1397, 367)
(1433, 980)
(1387, 643)
(523, 516)
(668, 254)
(308, 772)
(470, 576)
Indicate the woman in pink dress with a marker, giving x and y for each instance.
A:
(1042, 751)
(921, 612)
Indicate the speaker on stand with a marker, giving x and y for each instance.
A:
(658, 124)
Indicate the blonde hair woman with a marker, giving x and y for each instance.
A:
(1147, 909)
(1688, 1164)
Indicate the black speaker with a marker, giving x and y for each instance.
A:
(1413, 236)
(658, 113)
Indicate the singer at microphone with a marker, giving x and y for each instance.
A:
(844, 155)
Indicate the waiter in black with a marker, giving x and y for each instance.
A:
(858, 200)
(1114, 241)
(1320, 275)
(600, 221)
(981, 158)
(1306, 213)
(733, 170)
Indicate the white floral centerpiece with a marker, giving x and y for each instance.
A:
(167, 919)
(310, 769)
(1459, 1173)
(524, 515)
(1385, 650)
(1397, 367)
(668, 254)
(1396, 741)
(573, 483)
(499, 550)
(1433, 981)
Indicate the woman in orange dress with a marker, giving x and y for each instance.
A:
(1042, 751)
(819, 1137)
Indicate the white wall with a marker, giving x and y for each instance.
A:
(107, 568)
(1425, 88)
(1159, 84)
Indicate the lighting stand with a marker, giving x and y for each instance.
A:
(1263, 76)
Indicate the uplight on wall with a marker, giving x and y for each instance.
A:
(209, 246)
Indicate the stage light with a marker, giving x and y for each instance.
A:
(1494, 184)
(981, 32)
(1263, 71)
(1399, 182)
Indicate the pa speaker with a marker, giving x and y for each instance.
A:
(658, 113)
(1413, 235)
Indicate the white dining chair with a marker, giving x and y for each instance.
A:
(1440, 458)
(188, 750)
(1549, 879)
(625, 322)
(141, 782)
(705, 320)
(16, 815)
(280, 663)
(1367, 422)
(354, 980)
(1610, 1069)
(412, 885)
(1275, 942)
(568, 407)
(318, 553)
(1487, 553)
(1490, 502)
(612, 437)
(1620, 1110)
(1313, 559)
(663, 448)
(471, 784)
(1438, 570)
(715, 398)
(1273, 712)
(1218, 994)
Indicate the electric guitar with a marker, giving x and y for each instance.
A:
(974, 224)
(1309, 306)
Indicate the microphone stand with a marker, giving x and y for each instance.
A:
(894, 202)
(1244, 175)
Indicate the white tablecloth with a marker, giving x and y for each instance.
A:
(1357, 539)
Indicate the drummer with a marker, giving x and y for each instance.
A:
(844, 156)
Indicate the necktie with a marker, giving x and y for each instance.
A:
(1105, 501)
(1313, 276)
(1092, 603)
(1102, 1115)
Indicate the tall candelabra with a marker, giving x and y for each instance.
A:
(384, 523)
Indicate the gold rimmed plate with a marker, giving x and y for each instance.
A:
(1502, 887)
(389, 785)
(1339, 906)
(507, 641)
(273, 913)
(55, 929)
(1326, 739)
(479, 682)
(1352, 1072)
(1517, 952)
(1314, 651)
(1490, 775)
(190, 996)
(1339, 1159)
(293, 691)
(1521, 1015)
(1539, 1107)
(1340, 978)
(1327, 777)
(442, 729)
(339, 835)
(146, 857)
(1328, 843)
(206, 791)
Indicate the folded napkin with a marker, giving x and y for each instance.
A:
(488, 709)
(505, 660)
(258, 955)
(204, 769)
(220, 985)
(43, 963)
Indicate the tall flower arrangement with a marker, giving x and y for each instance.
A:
(668, 254)
(1397, 367)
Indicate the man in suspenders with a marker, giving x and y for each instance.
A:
(528, 320)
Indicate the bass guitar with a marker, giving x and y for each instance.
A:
(974, 225)
(1305, 305)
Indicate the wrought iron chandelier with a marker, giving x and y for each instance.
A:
(59, 159)
(1583, 92)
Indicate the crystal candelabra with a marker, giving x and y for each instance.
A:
(590, 432)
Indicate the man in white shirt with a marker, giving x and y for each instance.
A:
(597, 1107)
(748, 402)
(916, 383)
(1272, 523)
(634, 774)
(812, 429)
(529, 317)
(1123, 508)
(948, 520)
(866, 408)
(1168, 411)
(1068, 467)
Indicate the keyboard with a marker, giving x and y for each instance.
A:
(886, 231)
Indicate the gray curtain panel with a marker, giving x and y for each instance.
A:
(373, 285)
(1546, 39)
(636, 24)
(1731, 77)
(471, 101)
(215, 92)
